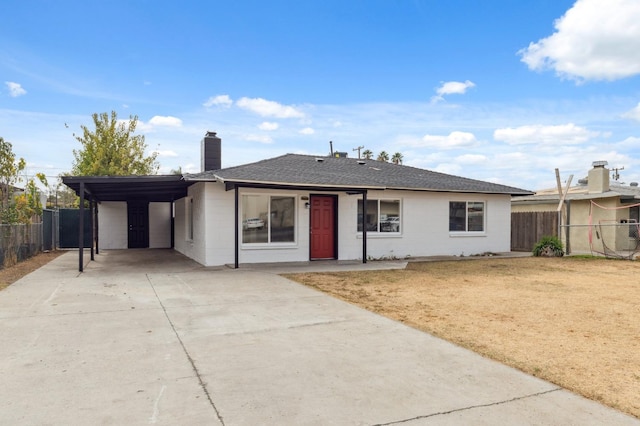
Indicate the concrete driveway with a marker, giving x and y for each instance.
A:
(150, 337)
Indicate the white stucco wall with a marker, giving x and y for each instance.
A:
(424, 227)
(159, 225)
(112, 225)
(195, 247)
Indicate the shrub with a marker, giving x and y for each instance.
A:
(549, 247)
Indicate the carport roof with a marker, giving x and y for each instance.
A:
(157, 188)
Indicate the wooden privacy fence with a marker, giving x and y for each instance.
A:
(527, 228)
(19, 242)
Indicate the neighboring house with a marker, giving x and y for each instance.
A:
(596, 211)
(303, 207)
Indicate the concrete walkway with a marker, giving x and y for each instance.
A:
(150, 337)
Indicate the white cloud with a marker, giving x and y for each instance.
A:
(545, 135)
(594, 40)
(452, 88)
(267, 108)
(471, 159)
(166, 121)
(15, 89)
(453, 140)
(157, 121)
(633, 114)
(306, 131)
(219, 100)
(259, 138)
(268, 126)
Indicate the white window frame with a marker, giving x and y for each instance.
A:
(378, 231)
(269, 243)
(466, 231)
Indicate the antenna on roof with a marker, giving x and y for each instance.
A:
(358, 149)
(614, 173)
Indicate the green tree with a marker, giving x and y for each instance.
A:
(367, 154)
(397, 158)
(27, 205)
(383, 156)
(10, 169)
(111, 149)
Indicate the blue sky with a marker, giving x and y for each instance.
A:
(501, 90)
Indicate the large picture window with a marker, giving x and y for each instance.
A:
(382, 216)
(268, 219)
(466, 216)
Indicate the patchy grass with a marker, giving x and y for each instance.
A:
(13, 273)
(572, 321)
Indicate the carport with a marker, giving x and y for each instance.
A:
(96, 189)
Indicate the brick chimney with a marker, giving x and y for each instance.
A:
(211, 152)
(598, 178)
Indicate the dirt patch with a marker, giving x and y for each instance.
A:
(574, 322)
(13, 273)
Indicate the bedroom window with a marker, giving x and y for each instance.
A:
(268, 219)
(466, 216)
(382, 216)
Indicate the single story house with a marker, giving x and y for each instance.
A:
(598, 215)
(298, 208)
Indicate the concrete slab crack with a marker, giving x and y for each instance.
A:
(186, 352)
(442, 413)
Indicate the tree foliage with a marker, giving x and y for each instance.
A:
(25, 206)
(367, 154)
(383, 156)
(10, 170)
(112, 149)
(397, 158)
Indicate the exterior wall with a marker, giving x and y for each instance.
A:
(179, 226)
(193, 247)
(538, 207)
(424, 227)
(112, 225)
(160, 225)
(579, 231)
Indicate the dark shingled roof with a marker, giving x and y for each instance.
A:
(348, 173)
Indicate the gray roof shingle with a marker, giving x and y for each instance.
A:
(308, 170)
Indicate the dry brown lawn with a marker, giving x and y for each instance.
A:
(13, 273)
(572, 321)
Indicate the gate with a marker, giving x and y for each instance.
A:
(527, 228)
(48, 230)
(68, 220)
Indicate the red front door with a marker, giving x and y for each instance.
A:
(323, 231)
